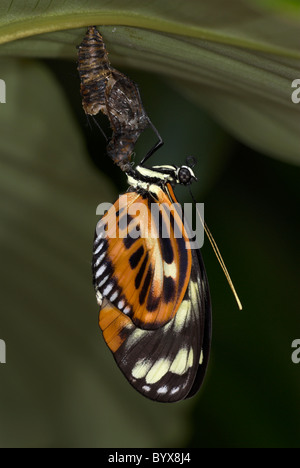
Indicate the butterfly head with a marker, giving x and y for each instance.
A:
(185, 175)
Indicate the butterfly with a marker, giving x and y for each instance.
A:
(105, 89)
(153, 290)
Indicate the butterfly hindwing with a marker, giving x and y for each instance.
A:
(167, 364)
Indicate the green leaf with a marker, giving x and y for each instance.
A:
(239, 61)
(285, 7)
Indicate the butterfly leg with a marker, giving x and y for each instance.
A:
(157, 145)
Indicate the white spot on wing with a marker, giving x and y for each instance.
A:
(179, 364)
(98, 248)
(174, 390)
(114, 296)
(158, 371)
(101, 271)
(103, 281)
(194, 292)
(99, 298)
(190, 360)
(201, 357)
(99, 260)
(162, 390)
(181, 316)
(146, 388)
(182, 362)
(108, 288)
(170, 270)
(141, 368)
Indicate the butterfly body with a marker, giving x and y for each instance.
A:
(152, 287)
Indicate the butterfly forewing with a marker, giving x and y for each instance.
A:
(141, 273)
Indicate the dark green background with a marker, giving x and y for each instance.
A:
(60, 386)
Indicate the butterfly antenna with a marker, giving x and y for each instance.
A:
(218, 255)
(157, 145)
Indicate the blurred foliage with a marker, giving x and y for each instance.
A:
(60, 386)
(251, 396)
(284, 7)
(238, 62)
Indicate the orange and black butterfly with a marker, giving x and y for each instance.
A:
(105, 89)
(153, 290)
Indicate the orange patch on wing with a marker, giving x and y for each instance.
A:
(132, 279)
(112, 322)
